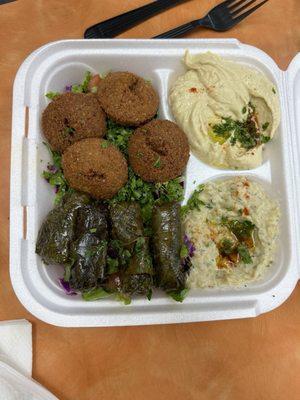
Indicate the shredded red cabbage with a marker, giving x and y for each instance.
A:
(68, 88)
(66, 287)
(52, 168)
(190, 246)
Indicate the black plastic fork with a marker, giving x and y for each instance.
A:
(220, 18)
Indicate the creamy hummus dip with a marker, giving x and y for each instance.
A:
(227, 110)
(233, 226)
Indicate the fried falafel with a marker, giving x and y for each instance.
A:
(71, 117)
(96, 167)
(127, 98)
(158, 151)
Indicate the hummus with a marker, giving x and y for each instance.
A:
(227, 110)
(233, 226)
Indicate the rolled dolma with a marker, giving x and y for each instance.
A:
(138, 276)
(127, 228)
(88, 255)
(126, 222)
(167, 242)
(92, 218)
(58, 229)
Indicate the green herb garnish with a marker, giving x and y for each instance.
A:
(242, 229)
(58, 181)
(118, 135)
(243, 132)
(157, 163)
(226, 246)
(273, 90)
(170, 191)
(93, 230)
(95, 294)
(52, 95)
(194, 203)
(149, 294)
(55, 155)
(104, 144)
(55, 177)
(112, 265)
(124, 298)
(178, 295)
(244, 254)
(83, 87)
(184, 251)
(244, 110)
(265, 126)
(265, 139)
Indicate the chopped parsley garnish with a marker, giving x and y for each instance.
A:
(124, 298)
(169, 191)
(246, 132)
(242, 229)
(147, 194)
(178, 295)
(93, 230)
(83, 87)
(244, 254)
(157, 163)
(112, 265)
(265, 126)
(265, 139)
(104, 144)
(149, 294)
(95, 294)
(226, 246)
(55, 177)
(184, 251)
(52, 95)
(118, 135)
(194, 203)
(273, 90)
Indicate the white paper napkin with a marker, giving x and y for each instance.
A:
(16, 345)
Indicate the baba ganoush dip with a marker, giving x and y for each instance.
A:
(233, 226)
(227, 110)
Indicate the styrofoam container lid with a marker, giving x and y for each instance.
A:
(56, 64)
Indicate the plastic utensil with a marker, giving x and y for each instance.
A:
(116, 25)
(221, 18)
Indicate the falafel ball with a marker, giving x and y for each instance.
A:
(158, 151)
(127, 98)
(71, 117)
(96, 167)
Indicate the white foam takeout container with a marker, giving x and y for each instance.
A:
(56, 64)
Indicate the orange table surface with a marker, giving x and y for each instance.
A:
(251, 359)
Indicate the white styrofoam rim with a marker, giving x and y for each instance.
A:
(175, 312)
